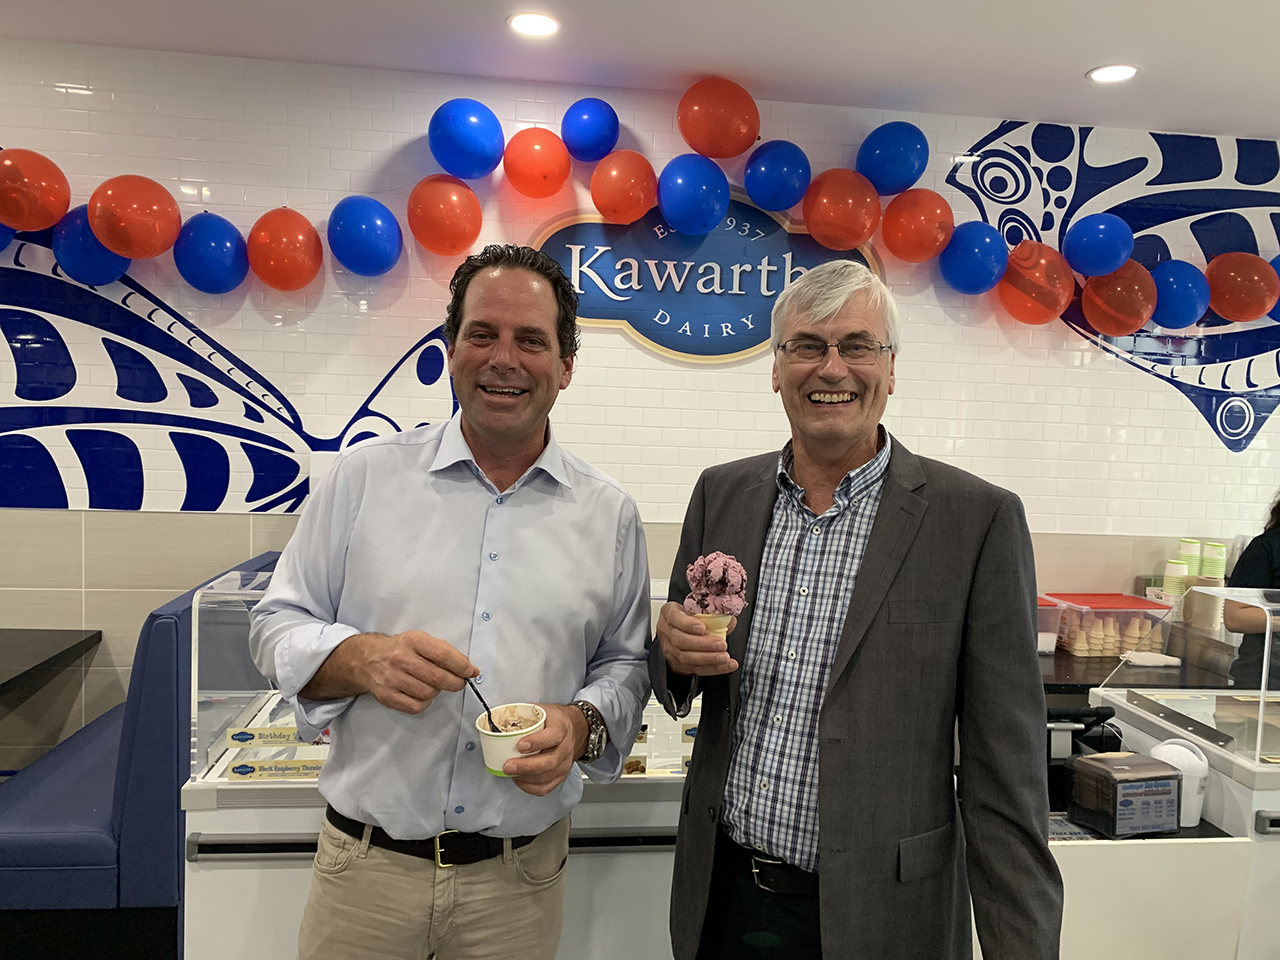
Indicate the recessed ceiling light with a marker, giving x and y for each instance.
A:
(534, 24)
(1113, 73)
(73, 88)
(967, 158)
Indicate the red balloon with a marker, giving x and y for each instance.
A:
(841, 209)
(1242, 286)
(444, 215)
(718, 118)
(624, 187)
(1037, 285)
(34, 193)
(134, 216)
(284, 249)
(917, 225)
(536, 162)
(1119, 304)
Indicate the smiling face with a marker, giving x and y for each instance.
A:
(506, 364)
(835, 409)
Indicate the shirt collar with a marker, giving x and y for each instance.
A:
(855, 482)
(453, 449)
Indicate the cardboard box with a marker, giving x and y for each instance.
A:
(1124, 794)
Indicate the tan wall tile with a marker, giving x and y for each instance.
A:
(271, 531)
(43, 548)
(1082, 563)
(44, 711)
(168, 551)
(103, 689)
(1149, 554)
(15, 758)
(48, 609)
(119, 614)
(662, 539)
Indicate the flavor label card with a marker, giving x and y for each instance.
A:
(262, 736)
(1146, 806)
(275, 770)
(688, 731)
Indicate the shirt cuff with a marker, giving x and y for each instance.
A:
(623, 725)
(298, 657)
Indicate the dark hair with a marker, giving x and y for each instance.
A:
(512, 257)
(1273, 521)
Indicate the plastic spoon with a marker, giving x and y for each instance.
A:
(489, 713)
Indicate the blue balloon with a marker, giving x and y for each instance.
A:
(1182, 294)
(975, 258)
(777, 175)
(81, 255)
(6, 235)
(893, 156)
(589, 129)
(364, 236)
(693, 194)
(211, 254)
(1275, 311)
(1098, 244)
(465, 138)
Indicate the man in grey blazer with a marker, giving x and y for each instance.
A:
(890, 599)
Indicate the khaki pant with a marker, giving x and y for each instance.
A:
(368, 903)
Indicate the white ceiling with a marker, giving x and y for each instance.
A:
(1204, 67)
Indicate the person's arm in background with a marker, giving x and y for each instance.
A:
(1254, 569)
(1004, 798)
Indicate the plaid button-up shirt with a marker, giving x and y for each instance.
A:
(807, 574)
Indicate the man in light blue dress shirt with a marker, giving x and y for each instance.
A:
(474, 549)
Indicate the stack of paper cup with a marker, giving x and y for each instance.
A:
(1175, 577)
(1213, 560)
(1189, 551)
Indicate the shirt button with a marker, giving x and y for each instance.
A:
(471, 745)
(778, 718)
(764, 784)
(804, 591)
(816, 531)
(485, 615)
(791, 654)
(758, 845)
(499, 499)
(493, 556)
(458, 809)
(479, 678)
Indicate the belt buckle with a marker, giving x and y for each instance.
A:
(436, 840)
(755, 871)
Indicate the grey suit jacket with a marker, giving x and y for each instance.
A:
(941, 627)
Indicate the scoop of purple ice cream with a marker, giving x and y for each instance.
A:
(717, 584)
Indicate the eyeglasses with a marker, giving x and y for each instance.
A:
(853, 352)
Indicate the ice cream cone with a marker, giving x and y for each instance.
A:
(717, 623)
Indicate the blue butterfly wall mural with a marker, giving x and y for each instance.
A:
(110, 399)
(1183, 196)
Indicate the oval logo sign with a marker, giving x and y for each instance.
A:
(704, 299)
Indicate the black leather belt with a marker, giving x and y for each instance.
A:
(775, 876)
(448, 849)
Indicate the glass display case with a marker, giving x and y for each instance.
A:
(1239, 723)
(241, 729)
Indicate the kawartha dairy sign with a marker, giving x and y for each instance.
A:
(703, 299)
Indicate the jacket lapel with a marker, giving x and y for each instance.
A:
(897, 522)
(754, 508)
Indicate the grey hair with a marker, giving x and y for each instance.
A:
(822, 291)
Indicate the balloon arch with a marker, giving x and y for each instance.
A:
(131, 217)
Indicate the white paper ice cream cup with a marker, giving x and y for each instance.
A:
(498, 748)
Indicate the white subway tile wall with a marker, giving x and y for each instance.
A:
(1092, 445)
